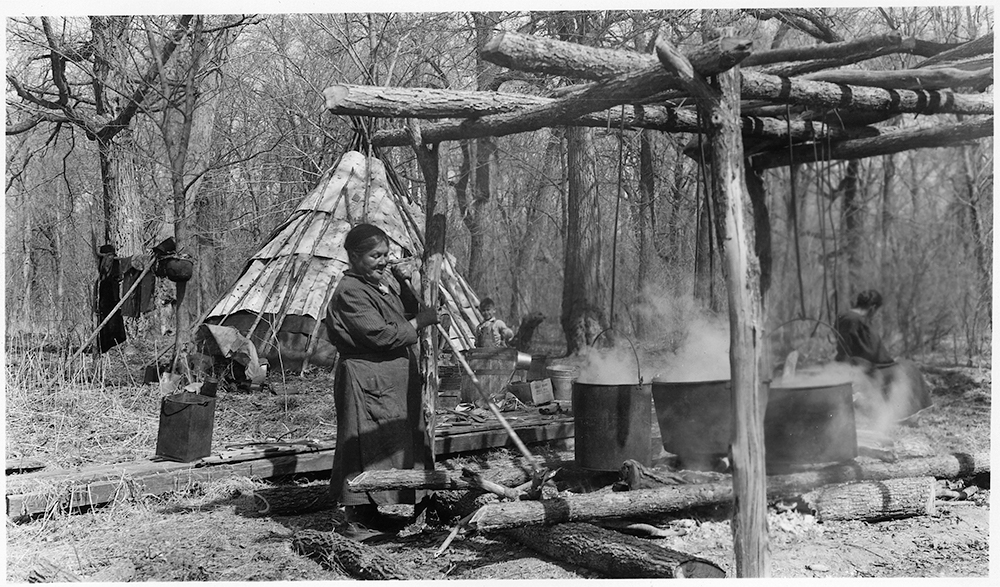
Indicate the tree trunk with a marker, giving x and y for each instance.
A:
(615, 555)
(851, 217)
(526, 247)
(873, 501)
(644, 222)
(583, 316)
(980, 243)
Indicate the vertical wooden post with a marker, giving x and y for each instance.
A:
(734, 230)
(742, 272)
(430, 277)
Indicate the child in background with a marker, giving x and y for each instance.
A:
(492, 332)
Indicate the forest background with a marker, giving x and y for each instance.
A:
(213, 128)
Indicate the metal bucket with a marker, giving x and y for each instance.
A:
(612, 424)
(810, 424)
(185, 432)
(562, 377)
(802, 424)
(695, 418)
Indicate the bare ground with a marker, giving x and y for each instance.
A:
(212, 533)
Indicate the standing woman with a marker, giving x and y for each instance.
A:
(377, 390)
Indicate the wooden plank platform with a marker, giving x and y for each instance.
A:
(71, 489)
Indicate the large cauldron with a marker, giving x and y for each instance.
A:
(802, 424)
(612, 423)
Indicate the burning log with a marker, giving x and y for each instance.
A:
(874, 500)
(668, 499)
(359, 560)
(612, 554)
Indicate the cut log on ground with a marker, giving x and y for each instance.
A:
(647, 502)
(287, 500)
(358, 560)
(612, 554)
(872, 501)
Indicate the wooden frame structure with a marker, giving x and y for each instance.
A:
(781, 107)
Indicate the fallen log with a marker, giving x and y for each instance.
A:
(972, 48)
(612, 554)
(668, 499)
(285, 500)
(872, 501)
(357, 559)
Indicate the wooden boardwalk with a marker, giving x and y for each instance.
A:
(48, 490)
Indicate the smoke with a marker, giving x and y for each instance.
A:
(610, 366)
(703, 355)
(682, 344)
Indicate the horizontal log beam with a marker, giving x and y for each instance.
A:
(905, 79)
(761, 86)
(393, 102)
(826, 51)
(887, 142)
(980, 46)
(552, 56)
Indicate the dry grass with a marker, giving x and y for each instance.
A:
(99, 411)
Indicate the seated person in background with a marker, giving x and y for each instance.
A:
(855, 337)
(491, 332)
(902, 386)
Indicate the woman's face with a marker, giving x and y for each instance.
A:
(372, 263)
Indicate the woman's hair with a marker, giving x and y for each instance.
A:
(870, 298)
(363, 238)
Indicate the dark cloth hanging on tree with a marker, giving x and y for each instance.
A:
(108, 296)
(141, 300)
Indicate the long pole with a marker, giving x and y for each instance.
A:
(489, 402)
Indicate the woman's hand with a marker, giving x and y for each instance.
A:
(425, 317)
